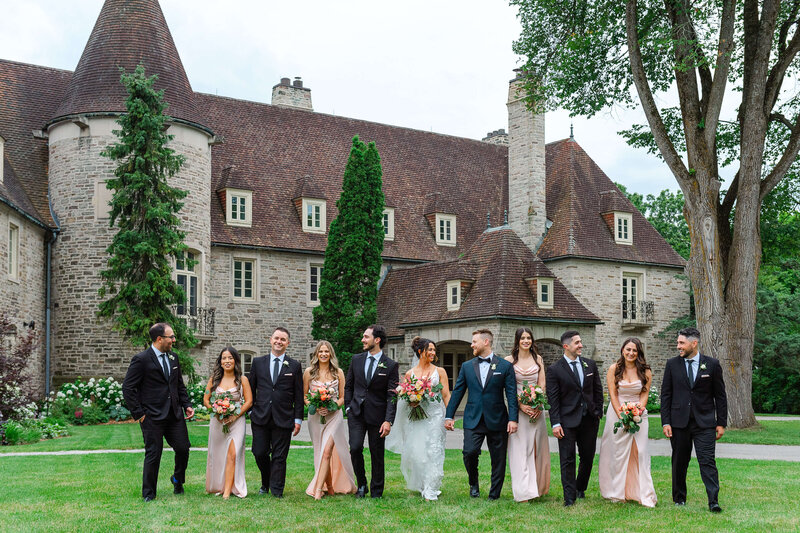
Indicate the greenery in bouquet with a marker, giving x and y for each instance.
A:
(533, 396)
(321, 399)
(629, 417)
(417, 391)
(223, 405)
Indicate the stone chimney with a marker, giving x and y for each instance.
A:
(292, 94)
(497, 137)
(527, 212)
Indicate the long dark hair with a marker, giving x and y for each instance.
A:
(333, 362)
(534, 351)
(641, 363)
(420, 344)
(218, 372)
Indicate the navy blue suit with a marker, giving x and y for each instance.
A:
(486, 416)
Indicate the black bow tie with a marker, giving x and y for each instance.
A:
(487, 360)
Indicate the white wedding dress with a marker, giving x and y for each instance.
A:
(421, 445)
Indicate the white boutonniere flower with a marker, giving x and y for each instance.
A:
(171, 358)
(584, 364)
(494, 365)
(286, 363)
(703, 366)
(381, 365)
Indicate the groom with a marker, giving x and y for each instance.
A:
(487, 378)
(576, 407)
(694, 410)
(370, 385)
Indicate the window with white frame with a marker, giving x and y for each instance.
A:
(244, 276)
(623, 228)
(544, 291)
(239, 211)
(454, 295)
(314, 277)
(388, 224)
(186, 275)
(632, 293)
(247, 360)
(314, 216)
(445, 230)
(13, 251)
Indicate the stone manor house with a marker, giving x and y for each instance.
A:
(263, 180)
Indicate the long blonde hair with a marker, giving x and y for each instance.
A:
(334, 363)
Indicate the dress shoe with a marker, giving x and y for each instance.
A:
(177, 486)
(263, 490)
(376, 496)
(680, 504)
(278, 495)
(361, 492)
(474, 491)
(569, 503)
(581, 494)
(714, 508)
(493, 498)
(149, 498)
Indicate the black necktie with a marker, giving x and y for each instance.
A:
(370, 368)
(691, 373)
(164, 365)
(575, 371)
(276, 370)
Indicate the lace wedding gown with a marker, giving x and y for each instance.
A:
(421, 445)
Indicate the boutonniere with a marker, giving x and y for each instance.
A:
(584, 364)
(494, 365)
(381, 365)
(703, 366)
(286, 363)
(171, 358)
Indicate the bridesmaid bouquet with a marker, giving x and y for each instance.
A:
(223, 405)
(321, 399)
(415, 391)
(630, 417)
(533, 396)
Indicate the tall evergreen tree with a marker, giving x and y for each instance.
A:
(348, 287)
(138, 282)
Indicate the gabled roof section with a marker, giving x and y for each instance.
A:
(499, 263)
(276, 148)
(28, 96)
(127, 33)
(578, 194)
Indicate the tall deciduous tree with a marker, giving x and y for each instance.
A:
(348, 289)
(138, 282)
(588, 55)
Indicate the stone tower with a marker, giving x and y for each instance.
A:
(527, 212)
(127, 33)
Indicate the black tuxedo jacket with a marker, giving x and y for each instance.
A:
(487, 402)
(373, 399)
(706, 400)
(147, 392)
(567, 397)
(281, 401)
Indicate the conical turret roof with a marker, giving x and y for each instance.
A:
(128, 32)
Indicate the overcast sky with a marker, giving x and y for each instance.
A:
(435, 65)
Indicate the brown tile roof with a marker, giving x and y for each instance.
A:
(28, 96)
(282, 152)
(578, 193)
(128, 32)
(498, 262)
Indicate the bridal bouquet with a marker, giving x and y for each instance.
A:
(630, 417)
(223, 405)
(415, 391)
(321, 399)
(533, 396)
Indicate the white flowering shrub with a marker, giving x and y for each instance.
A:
(89, 402)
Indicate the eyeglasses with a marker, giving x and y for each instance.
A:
(168, 336)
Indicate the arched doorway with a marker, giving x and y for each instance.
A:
(550, 350)
(453, 354)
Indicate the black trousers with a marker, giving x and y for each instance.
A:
(497, 442)
(154, 432)
(271, 448)
(585, 436)
(358, 429)
(704, 440)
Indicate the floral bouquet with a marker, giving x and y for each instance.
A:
(223, 405)
(321, 399)
(415, 391)
(629, 417)
(533, 396)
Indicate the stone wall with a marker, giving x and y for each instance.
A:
(23, 297)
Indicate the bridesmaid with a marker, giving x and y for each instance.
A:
(528, 448)
(624, 460)
(225, 462)
(333, 471)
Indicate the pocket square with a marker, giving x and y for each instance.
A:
(381, 374)
(592, 374)
(706, 376)
(496, 373)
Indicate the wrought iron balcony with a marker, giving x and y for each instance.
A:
(198, 319)
(637, 313)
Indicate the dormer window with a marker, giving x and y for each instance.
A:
(623, 228)
(445, 230)
(388, 224)
(239, 208)
(313, 213)
(544, 293)
(454, 295)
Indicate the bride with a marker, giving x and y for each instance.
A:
(421, 442)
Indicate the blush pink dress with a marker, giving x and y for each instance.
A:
(344, 479)
(624, 460)
(528, 449)
(218, 443)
